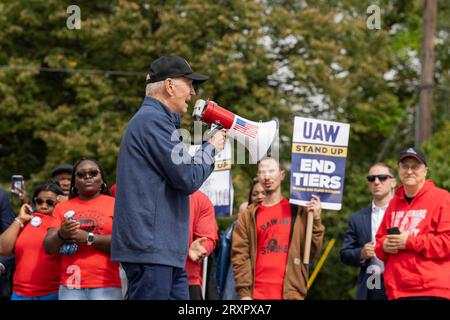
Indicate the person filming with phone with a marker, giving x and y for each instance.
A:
(37, 274)
(414, 237)
(7, 215)
(18, 188)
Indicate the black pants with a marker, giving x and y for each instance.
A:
(195, 293)
(377, 294)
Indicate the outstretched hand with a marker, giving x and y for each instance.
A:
(196, 250)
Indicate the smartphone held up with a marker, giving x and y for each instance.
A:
(17, 185)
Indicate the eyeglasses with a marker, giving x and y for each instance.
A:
(49, 202)
(381, 177)
(414, 167)
(91, 173)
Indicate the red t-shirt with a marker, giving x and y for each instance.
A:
(273, 225)
(202, 224)
(37, 273)
(112, 190)
(89, 267)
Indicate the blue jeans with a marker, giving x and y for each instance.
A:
(53, 296)
(156, 282)
(107, 293)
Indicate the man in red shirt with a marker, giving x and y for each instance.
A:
(414, 237)
(202, 240)
(268, 242)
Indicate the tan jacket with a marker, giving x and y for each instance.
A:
(243, 254)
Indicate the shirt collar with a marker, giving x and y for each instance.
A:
(376, 209)
(175, 116)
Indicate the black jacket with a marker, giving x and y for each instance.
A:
(358, 234)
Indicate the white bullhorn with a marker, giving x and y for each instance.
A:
(257, 137)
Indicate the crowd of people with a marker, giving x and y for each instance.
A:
(146, 237)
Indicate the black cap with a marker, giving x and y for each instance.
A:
(173, 67)
(62, 168)
(413, 153)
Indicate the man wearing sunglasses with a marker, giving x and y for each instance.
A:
(359, 242)
(155, 176)
(414, 237)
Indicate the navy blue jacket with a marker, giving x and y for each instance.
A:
(6, 218)
(224, 271)
(358, 234)
(151, 214)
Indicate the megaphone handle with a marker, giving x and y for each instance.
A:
(213, 130)
(269, 151)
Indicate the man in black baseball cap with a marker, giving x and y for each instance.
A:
(155, 175)
(62, 174)
(170, 80)
(412, 169)
(413, 153)
(173, 67)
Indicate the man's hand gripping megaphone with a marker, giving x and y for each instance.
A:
(216, 133)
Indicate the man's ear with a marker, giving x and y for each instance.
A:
(168, 85)
(393, 183)
(283, 174)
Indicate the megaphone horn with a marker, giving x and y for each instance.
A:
(257, 137)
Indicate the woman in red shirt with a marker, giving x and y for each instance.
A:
(85, 220)
(37, 274)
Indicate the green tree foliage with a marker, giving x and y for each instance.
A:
(266, 60)
(437, 150)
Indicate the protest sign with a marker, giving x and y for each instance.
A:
(218, 187)
(319, 153)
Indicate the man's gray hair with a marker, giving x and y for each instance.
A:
(153, 88)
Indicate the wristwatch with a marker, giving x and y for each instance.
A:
(2, 269)
(90, 239)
